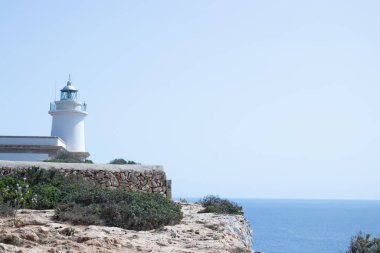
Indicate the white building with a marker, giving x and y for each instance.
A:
(67, 132)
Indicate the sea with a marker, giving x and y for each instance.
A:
(308, 226)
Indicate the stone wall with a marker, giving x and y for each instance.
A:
(137, 178)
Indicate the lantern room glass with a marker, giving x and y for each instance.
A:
(69, 95)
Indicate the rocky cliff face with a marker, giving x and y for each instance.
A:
(38, 232)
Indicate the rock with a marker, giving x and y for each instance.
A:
(134, 179)
(69, 231)
(100, 175)
(30, 236)
(198, 232)
(83, 239)
(212, 226)
(11, 239)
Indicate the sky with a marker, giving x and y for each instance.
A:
(243, 99)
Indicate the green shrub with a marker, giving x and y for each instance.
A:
(9, 186)
(45, 196)
(79, 201)
(214, 204)
(46, 188)
(78, 214)
(120, 208)
(364, 244)
(122, 161)
(67, 157)
(35, 176)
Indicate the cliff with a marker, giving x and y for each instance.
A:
(205, 232)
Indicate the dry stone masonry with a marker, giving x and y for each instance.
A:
(136, 178)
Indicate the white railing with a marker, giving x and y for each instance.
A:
(82, 107)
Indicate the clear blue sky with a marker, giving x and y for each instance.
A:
(258, 99)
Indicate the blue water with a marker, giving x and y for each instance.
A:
(309, 226)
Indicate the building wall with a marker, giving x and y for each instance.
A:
(32, 140)
(137, 178)
(68, 124)
(29, 148)
(70, 127)
(23, 156)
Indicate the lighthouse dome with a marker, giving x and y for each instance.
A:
(69, 87)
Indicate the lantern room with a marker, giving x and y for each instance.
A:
(69, 92)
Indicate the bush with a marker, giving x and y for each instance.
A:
(78, 214)
(122, 161)
(8, 188)
(214, 204)
(120, 208)
(46, 188)
(364, 244)
(79, 201)
(67, 157)
(45, 196)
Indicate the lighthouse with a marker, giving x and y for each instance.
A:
(68, 120)
(67, 133)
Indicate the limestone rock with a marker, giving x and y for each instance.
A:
(198, 232)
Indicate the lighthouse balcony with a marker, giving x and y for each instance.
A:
(63, 106)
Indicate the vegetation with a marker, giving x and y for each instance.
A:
(183, 200)
(120, 208)
(122, 161)
(67, 157)
(364, 244)
(214, 204)
(38, 189)
(80, 202)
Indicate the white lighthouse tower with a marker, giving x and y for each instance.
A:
(68, 120)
